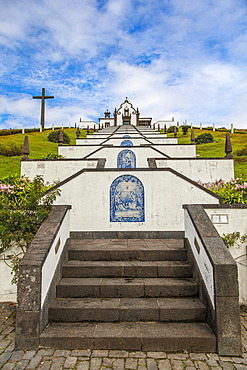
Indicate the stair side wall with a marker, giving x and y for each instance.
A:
(36, 287)
(216, 272)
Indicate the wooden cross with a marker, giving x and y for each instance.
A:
(43, 97)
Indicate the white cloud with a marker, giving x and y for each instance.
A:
(182, 58)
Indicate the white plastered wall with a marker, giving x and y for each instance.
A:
(162, 124)
(179, 150)
(91, 140)
(117, 142)
(8, 291)
(234, 219)
(52, 258)
(94, 136)
(204, 170)
(76, 151)
(171, 140)
(141, 153)
(155, 135)
(90, 124)
(89, 196)
(203, 262)
(106, 120)
(134, 135)
(54, 171)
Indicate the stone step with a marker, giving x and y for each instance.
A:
(78, 269)
(125, 287)
(127, 309)
(120, 252)
(133, 336)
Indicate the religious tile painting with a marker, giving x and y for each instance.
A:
(126, 159)
(126, 143)
(127, 200)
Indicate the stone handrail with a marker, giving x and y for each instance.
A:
(39, 270)
(217, 276)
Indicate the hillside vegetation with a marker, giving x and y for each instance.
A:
(217, 148)
(40, 147)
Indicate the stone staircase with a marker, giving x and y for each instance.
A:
(133, 294)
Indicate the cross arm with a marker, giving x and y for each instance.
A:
(49, 97)
(37, 97)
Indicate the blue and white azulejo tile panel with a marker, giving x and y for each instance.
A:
(126, 143)
(126, 159)
(127, 200)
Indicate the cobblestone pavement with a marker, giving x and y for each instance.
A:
(86, 359)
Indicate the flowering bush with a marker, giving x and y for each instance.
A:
(234, 191)
(23, 207)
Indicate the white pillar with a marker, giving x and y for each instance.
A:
(53, 126)
(62, 126)
(232, 129)
(40, 128)
(213, 126)
(200, 126)
(23, 130)
(69, 125)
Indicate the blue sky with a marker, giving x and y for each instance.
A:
(173, 58)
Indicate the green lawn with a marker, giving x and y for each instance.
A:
(217, 148)
(40, 147)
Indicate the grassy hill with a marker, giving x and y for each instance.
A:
(38, 144)
(40, 147)
(217, 148)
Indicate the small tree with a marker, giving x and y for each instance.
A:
(185, 129)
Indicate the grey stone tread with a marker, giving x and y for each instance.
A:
(148, 336)
(127, 249)
(127, 309)
(121, 254)
(74, 268)
(126, 287)
(127, 243)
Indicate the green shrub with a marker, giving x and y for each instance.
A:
(204, 138)
(10, 150)
(240, 152)
(185, 129)
(53, 156)
(54, 137)
(22, 210)
(222, 129)
(171, 129)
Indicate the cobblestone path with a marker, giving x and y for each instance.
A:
(48, 358)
